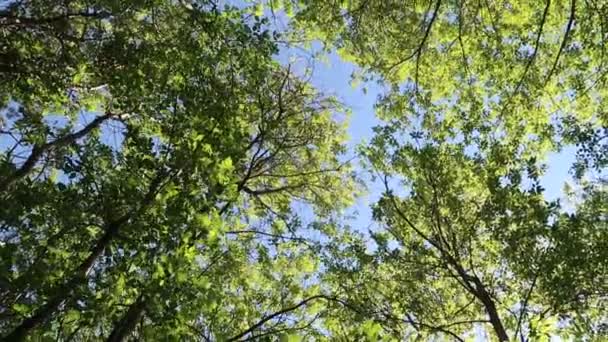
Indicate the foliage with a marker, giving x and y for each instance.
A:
(507, 70)
(478, 95)
(162, 158)
(163, 176)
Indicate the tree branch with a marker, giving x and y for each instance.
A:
(39, 150)
(536, 47)
(564, 41)
(263, 321)
(418, 52)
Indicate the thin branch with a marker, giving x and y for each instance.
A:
(276, 236)
(536, 47)
(431, 328)
(274, 315)
(39, 150)
(7, 19)
(258, 192)
(472, 284)
(418, 52)
(565, 40)
(524, 307)
(406, 219)
(461, 43)
(274, 332)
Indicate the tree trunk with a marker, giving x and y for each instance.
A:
(493, 315)
(127, 323)
(66, 290)
(477, 289)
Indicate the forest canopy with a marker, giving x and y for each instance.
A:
(166, 174)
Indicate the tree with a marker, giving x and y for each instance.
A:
(162, 176)
(478, 94)
(189, 128)
(468, 241)
(526, 68)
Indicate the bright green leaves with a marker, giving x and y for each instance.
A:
(258, 9)
(503, 71)
(478, 97)
(371, 330)
(462, 219)
(291, 338)
(21, 309)
(302, 138)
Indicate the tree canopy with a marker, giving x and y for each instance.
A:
(164, 175)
